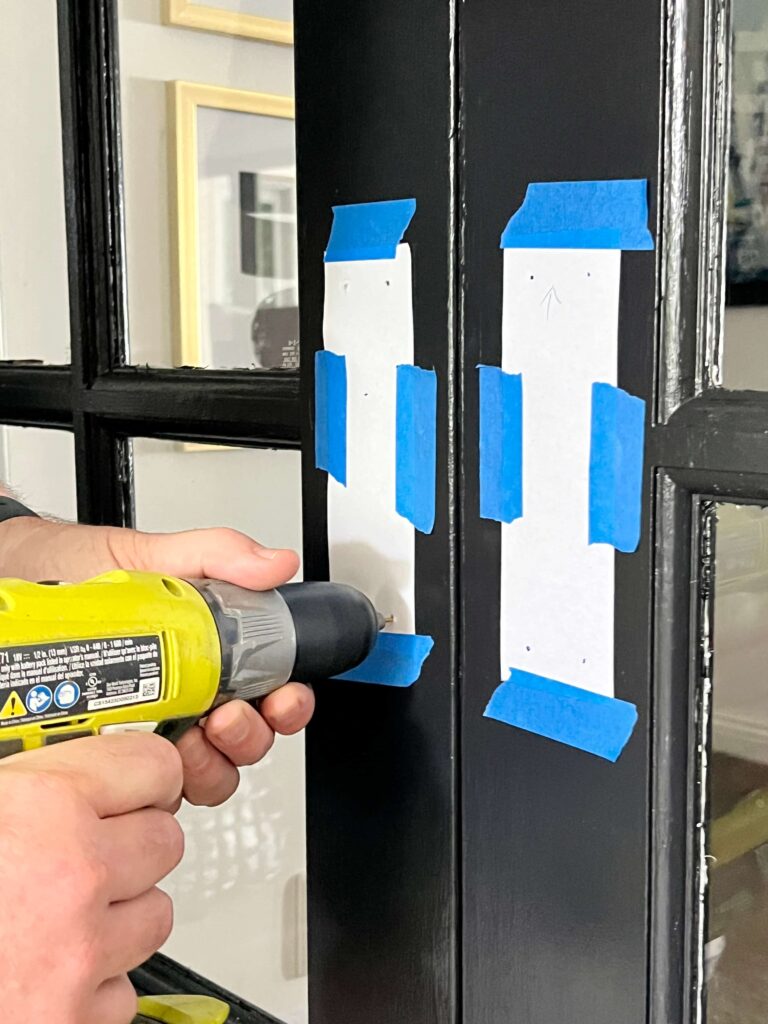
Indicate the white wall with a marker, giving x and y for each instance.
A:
(152, 54)
(39, 465)
(33, 269)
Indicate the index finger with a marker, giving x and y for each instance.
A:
(116, 774)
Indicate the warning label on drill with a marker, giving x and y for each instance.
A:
(75, 678)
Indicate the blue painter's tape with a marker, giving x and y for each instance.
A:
(581, 215)
(416, 446)
(331, 414)
(501, 444)
(396, 660)
(600, 725)
(616, 467)
(368, 231)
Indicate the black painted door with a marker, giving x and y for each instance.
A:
(461, 870)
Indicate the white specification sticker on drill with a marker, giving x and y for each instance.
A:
(70, 678)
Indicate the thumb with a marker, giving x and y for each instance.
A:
(216, 554)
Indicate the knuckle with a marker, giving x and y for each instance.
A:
(53, 788)
(118, 1003)
(166, 835)
(88, 964)
(226, 534)
(294, 717)
(125, 1001)
(160, 919)
(91, 877)
(166, 758)
(196, 754)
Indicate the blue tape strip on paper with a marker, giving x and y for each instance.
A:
(396, 660)
(368, 231)
(616, 467)
(331, 414)
(581, 215)
(501, 444)
(600, 725)
(416, 446)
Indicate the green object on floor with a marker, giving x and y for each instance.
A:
(181, 1010)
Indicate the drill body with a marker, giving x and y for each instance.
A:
(148, 651)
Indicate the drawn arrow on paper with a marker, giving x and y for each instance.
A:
(549, 297)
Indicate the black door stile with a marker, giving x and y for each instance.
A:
(555, 872)
(375, 111)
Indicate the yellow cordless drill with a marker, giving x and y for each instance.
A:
(147, 651)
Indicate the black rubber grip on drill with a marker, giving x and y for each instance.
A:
(336, 628)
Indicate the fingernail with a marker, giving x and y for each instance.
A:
(267, 553)
(236, 729)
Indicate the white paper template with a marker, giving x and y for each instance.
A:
(368, 318)
(560, 331)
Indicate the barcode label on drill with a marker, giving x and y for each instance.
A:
(75, 678)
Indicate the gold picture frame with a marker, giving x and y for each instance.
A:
(187, 14)
(184, 100)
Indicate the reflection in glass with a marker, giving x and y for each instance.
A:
(244, 213)
(240, 915)
(736, 950)
(247, 239)
(745, 354)
(34, 295)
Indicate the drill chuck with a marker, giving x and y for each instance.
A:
(301, 631)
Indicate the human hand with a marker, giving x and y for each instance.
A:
(86, 833)
(235, 734)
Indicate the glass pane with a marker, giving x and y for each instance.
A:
(39, 466)
(34, 298)
(209, 154)
(239, 892)
(736, 951)
(280, 9)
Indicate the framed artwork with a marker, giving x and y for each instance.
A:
(747, 229)
(269, 20)
(233, 201)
